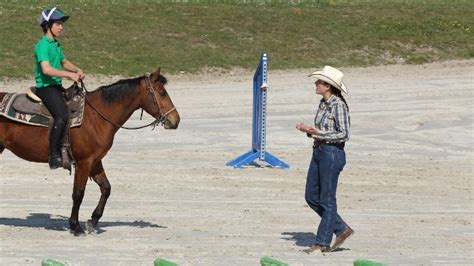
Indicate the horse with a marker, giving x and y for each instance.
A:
(105, 112)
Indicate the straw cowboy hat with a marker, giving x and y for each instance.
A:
(332, 76)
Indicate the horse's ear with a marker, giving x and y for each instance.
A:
(156, 75)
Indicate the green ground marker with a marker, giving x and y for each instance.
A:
(163, 262)
(365, 262)
(267, 261)
(50, 262)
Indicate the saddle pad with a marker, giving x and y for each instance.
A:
(7, 110)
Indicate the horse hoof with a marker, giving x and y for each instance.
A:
(90, 227)
(77, 231)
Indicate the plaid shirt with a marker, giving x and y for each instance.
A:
(332, 119)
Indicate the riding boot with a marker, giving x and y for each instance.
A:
(55, 160)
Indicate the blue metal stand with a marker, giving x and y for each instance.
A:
(259, 122)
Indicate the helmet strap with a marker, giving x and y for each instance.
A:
(49, 28)
(47, 18)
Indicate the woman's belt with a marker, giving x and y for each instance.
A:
(318, 142)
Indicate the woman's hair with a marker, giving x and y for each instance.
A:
(338, 93)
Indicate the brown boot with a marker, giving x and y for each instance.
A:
(316, 247)
(341, 237)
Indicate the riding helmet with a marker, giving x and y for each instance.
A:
(50, 15)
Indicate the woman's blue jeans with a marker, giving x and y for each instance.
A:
(327, 162)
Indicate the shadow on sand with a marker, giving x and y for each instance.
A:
(301, 239)
(61, 223)
(304, 239)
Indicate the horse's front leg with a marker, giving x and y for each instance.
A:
(83, 169)
(99, 176)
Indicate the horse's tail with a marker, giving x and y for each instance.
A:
(2, 94)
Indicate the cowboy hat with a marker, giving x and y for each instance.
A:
(332, 76)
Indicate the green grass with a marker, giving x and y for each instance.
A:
(132, 37)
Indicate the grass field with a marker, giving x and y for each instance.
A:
(132, 37)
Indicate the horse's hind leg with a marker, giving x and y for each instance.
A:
(99, 176)
(83, 168)
(2, 147)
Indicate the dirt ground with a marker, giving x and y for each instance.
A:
(407, 188)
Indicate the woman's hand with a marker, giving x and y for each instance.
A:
(307, 129)
(301, 127)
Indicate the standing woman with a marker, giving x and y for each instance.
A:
(50, 67)
(330, 132)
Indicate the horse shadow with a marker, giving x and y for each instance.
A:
(304, 239)
(61, 223)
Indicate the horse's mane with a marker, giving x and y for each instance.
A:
(123, 88)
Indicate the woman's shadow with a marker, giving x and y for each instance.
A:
(61, 223)
(304, 239)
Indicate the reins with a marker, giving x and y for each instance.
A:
(158, 120)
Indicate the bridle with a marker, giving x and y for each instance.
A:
(160, 119)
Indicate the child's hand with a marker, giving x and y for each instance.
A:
(81, 74)
(74, 77)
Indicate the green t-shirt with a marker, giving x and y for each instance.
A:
(47, 50)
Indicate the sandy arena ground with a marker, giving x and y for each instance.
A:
(407, 189)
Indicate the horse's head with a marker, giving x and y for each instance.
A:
(158, 102)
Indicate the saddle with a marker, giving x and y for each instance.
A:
(28, 108)
(30, 103)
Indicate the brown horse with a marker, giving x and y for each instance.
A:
(107, 109)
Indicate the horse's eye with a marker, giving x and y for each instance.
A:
(163, 93)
